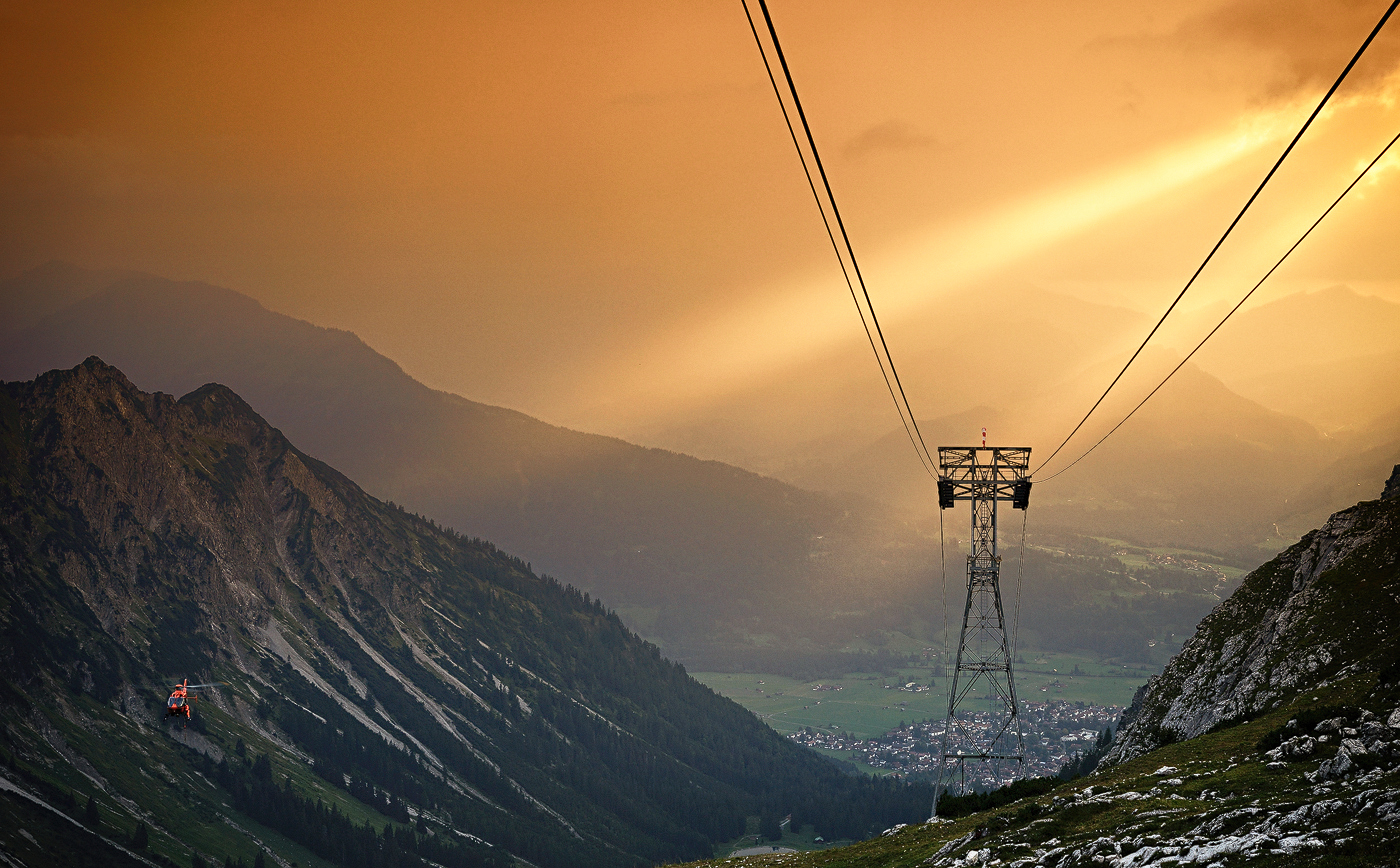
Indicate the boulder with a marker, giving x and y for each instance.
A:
(1299, 746)
(1371, 730)
(1354, 746)
(1338, 766)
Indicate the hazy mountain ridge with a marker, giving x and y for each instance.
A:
(683, 546)
(1346, 376)
(1221, 455)
(425, 675)
(713, 561)
(795, 425)
(1198, 466)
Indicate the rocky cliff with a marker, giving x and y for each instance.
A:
(1326, 608)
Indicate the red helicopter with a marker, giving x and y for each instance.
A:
(178, 705)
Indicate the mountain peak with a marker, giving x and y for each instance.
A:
(86, 379)
(96, 369)
(215, 404)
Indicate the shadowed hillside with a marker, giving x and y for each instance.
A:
(396, 694)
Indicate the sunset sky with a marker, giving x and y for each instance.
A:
(591, 212)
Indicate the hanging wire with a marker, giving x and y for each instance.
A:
(1020, 574)
(1286, 151)
(1237, 306)
(892, 380)
(943, 562)
(1016, 638)
(811, 184)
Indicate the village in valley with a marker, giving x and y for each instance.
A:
(1055, 731)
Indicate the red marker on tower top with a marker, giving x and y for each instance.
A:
(984, 437)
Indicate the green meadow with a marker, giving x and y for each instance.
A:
(869, 705)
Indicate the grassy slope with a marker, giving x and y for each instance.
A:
(1224, 763)
(137, 773)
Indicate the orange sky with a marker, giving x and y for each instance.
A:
(591, 211)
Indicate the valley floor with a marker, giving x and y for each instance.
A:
(884, 724)
(868, 705)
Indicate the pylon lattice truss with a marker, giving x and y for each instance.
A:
(983, 674)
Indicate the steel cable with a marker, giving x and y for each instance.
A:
(902, 405)
(1237, 306)
(1286, 151)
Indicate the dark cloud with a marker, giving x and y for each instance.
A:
(892, 135)
(1311, 39)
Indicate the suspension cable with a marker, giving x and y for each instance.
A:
(811, 184)
(1286, 151)
(1020, 574)
(892, 380)
(1237, 306)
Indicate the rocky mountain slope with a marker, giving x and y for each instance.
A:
(1326, 608)
(686, 550)
(1273, 738)
(397, 694)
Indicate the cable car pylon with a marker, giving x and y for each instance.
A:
(985, 476)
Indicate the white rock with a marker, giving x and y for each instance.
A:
(1372, 729)
(1338, 766)
(1299, 746)
(1394, 720)
(1298, 843)
(1166, 770)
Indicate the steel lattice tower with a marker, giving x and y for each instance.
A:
(986, 477)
